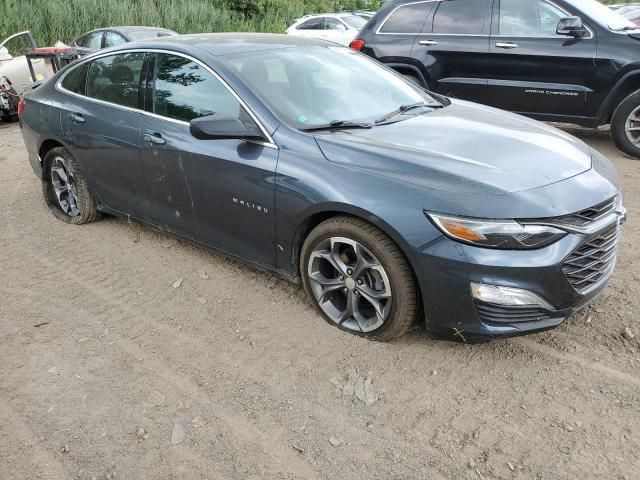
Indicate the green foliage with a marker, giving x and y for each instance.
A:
(53, 20)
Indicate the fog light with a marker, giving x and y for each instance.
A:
(507, 296)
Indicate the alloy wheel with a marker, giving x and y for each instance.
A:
(350, 285)
(64, 187)
(632, 127)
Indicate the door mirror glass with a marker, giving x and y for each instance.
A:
(571, 26)
(223, 127)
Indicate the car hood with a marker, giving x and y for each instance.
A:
(464, 147)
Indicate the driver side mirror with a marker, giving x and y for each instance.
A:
(223, 127)
(341, 28)
(572, 27)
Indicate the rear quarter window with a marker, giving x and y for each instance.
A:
(407, 18)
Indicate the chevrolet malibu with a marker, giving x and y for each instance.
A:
(390, 204)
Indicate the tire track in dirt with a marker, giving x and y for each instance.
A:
(137, 323)
(579, 360)
(21, 436)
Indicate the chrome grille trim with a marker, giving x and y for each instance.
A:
(591, 264)
(588, 215)
(588, 221)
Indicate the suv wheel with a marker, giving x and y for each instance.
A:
(359, 279)
(625, 125)
(65, 189)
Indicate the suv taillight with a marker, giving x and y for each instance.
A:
(21, 106)
(357, 44)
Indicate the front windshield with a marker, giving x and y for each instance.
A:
(603, 15)
(354, 21)
(314, 86)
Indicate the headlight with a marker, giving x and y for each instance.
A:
(504, 234)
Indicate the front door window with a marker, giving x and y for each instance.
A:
(526, 18)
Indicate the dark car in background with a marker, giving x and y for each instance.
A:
(113, 36)
(388, 203)
(573, 61)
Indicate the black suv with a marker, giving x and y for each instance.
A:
(572, 61)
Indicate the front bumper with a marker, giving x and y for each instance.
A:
(446, 269)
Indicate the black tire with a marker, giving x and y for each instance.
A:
(14, 99)
(404, 307)
(618, 123)
(85, 205)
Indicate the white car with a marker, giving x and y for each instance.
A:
(341, 28)
(14, 71)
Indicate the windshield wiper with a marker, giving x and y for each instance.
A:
(338, 124)
(405, 108)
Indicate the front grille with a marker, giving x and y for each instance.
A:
(588, 215)
(492, 313)
(592, 262)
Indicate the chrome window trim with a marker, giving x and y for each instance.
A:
(378, 32)
(58, 86)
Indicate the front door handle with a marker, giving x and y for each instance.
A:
(75, 118)
(154, 138)
(428, 42)
(506, 45)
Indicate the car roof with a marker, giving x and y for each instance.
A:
(128, 28)
(339, 15)
(218, 44)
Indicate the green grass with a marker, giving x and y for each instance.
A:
(53, 20)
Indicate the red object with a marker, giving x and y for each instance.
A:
(21, 106)
(357, 44)
(52, 49)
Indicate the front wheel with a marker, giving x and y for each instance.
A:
(359, 279)
(625, 125)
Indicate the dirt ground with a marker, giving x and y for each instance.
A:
(108, 371)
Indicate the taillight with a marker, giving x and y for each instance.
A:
(21, 106)
(357, 44)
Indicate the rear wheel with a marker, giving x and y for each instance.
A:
(65, 190)
(359, 279)
(625, 125)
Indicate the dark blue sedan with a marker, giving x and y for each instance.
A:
(390, 204)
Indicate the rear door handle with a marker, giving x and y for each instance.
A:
(154, 138)
(75, 118)
(506, 45)
(428, 42)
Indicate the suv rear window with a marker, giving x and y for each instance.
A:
(407, 18)
(460, 17)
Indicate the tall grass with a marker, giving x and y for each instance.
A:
(53, 20)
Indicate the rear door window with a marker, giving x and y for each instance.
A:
(112, 39)
(116, 79)
(331, 23)
(91, 40)
(461, 17)
(407, 19)
(313, 24)
(184, 90)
